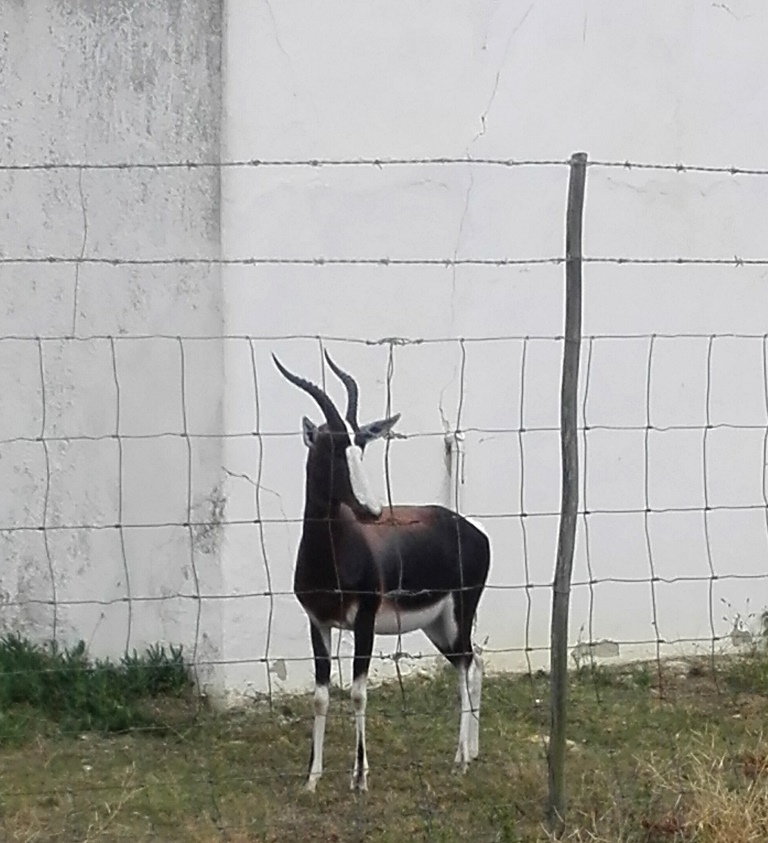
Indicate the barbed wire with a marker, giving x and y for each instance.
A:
(377, 340)
(380, 163)
(319, 261)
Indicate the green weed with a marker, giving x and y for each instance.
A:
(64, 687)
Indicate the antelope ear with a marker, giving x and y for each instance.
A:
(375, 430)
(309, 431)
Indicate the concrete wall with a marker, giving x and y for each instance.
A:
(130, 81)
(640, 81)
(109, 81)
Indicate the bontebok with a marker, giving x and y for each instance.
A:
(380, 570)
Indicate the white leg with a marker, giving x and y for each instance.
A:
(475, 680)
(321, 702)
(462, 752)
(359, 700)
(321, 646)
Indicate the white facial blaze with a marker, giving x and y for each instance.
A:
(361, 488)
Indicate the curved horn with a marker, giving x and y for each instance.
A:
(352, 391)
(332, 415)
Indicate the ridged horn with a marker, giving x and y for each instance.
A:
(352, 391)
(332, 415)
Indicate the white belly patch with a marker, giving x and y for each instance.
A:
(393, 621)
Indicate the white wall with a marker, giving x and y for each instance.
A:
(127, 81)
(632, 81)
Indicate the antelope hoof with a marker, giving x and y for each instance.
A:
(461, 763)
(311, 784)
(359, 782)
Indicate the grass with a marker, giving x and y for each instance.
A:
(63, 687)
(655, 756)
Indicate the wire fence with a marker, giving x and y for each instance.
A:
(670, 499)
(466, 160)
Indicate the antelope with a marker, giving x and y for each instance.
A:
(370, 569)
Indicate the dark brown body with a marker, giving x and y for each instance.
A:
(404, 561)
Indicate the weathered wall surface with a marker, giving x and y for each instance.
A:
(649, 81)
(129, 81)
(109, 81)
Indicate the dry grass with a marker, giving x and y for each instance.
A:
(714, 798)
(683, 763)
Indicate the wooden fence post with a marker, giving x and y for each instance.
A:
(561, 588)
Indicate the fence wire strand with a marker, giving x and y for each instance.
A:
(522, 507)
(381, 261)
(764, 346)
(47, 496)
(257, 500)
(653, 577)
(379, 163)
(120, 498)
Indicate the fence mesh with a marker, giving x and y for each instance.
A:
(667, 633)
